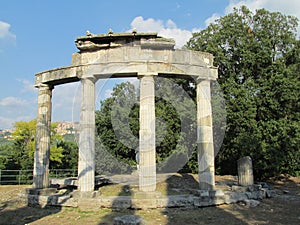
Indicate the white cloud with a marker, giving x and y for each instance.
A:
(4, 31)
(251, 4)
(147, 25)
(66, 100)
(6, 123)
(17, 108)
(14, 109)
(108, 93)
(167, 29)
(13, 102)
(6, 36)
(28, 86)
(212, 19)
(288, 7)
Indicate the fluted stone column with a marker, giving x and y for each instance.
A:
(205, 143)
(147, 161)
(86, 156)
(43, 132)
(245, 171)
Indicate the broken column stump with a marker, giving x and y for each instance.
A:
(245, 171)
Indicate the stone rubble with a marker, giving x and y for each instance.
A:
(250, 196)
(129, 220)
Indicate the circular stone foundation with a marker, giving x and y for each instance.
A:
(128, 197)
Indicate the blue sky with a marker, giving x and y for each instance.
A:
(37, 35)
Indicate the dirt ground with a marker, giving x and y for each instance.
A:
(283, 208)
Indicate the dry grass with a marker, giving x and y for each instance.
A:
(282, 209)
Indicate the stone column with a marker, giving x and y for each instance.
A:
(245, 171)
(43, 132)
(205, 143)
(147, 161)
(86, 156)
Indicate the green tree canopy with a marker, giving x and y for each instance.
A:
(117, 124)
(258, 59)
(24, 145)
(117, 129)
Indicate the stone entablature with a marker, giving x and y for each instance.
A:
(92, 42)
(128, 60)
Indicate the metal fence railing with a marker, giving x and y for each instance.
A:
(18, 177)
(62, 173)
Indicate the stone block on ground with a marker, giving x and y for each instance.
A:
(129, 220)
(239, 188)
(251, 202)
(144, 200)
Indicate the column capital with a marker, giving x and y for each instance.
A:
(44, 86)
(208, 73)
(147, 74)
(91, 78)
(198, 80)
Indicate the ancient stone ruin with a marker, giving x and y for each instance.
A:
(142, 55)
(245, 171)
(116, 55)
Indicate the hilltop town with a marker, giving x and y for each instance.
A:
(63, 128)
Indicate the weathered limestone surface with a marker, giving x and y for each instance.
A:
(143, 200)
(86, 160)
(245, 171)
(147, 161)
(42, 151)
(206, 156)
(129, 61)
(128, 54)
(133, 54)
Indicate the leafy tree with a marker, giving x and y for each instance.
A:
(24, 145)
(117, 124)
(175, 112)
(258, 59)
(117, 128)
(70, 156)
(5, 155)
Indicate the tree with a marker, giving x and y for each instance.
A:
(24, 145)
(117, 124)
(5, 153)
(175, 111)
(117, 129)
(70, 156)
(258, 59)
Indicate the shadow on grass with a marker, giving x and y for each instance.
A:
(115, 210)
(15, 213)
(283, 208)
(186, 183)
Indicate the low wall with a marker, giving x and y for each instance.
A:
(140, 200)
